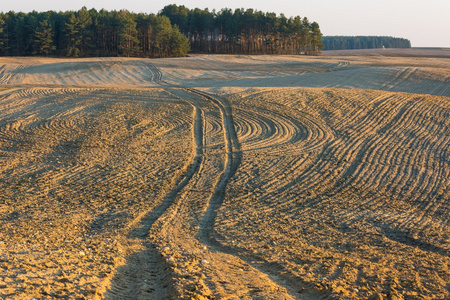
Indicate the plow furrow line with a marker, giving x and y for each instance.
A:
(232, 162)
(154, 281)
(206, 232)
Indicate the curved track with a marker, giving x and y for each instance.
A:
(381, 171)
(227, 192)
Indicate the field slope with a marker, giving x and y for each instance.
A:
(235, 177)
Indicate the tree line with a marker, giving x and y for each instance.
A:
(363, 42)
(87, 33)
(247, 31)
(175, 31)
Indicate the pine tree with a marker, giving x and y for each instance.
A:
(128, 41)
(163, 32)
(43, 41)
(179, 44)
(79, 34)
(86, 31)
(73, 37)
(2, 23)
(316, 38)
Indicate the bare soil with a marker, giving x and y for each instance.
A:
(226, 177)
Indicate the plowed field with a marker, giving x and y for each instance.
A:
(226, 177)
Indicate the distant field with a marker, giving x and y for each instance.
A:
(406, 52)
(237, 177)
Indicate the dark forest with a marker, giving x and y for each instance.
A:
(363, 42)
(245, 31)
(175, 31)
(87, 33)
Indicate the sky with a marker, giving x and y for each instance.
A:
(425, 23)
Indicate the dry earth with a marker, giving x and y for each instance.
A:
(226, 177)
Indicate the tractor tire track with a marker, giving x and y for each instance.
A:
(276, 272)
(146, 274)
(232, 162)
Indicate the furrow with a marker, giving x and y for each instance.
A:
(154, 279)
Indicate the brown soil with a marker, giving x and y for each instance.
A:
(225, 177)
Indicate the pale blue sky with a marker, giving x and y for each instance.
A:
(426, 23)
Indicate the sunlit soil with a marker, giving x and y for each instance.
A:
(242, 177)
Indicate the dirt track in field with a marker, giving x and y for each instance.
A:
(262, 177)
